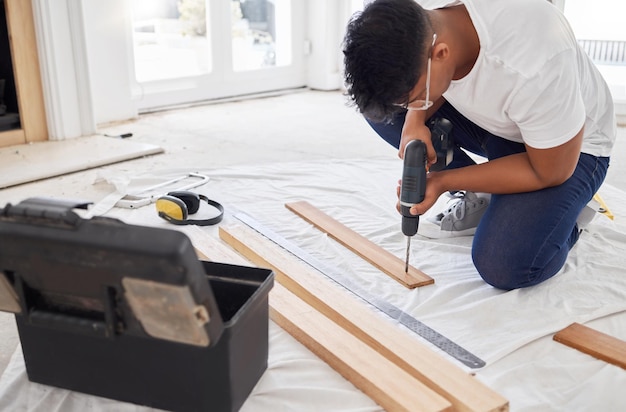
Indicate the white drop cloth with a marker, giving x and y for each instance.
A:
(511, 331)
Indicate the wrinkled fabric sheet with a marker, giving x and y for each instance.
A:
(511, 331)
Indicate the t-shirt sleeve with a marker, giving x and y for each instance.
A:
(549, 108)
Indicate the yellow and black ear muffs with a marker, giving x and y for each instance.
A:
(176, 206)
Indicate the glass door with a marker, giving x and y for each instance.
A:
(193, 50)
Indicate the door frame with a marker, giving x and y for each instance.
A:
(23, 45)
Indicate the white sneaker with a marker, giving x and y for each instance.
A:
(462, 215)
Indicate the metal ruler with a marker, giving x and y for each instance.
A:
(390, 310)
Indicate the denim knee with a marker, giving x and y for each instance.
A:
(492, 271)
(509, 269)
(502, 266)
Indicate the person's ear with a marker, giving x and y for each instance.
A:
(441, 51)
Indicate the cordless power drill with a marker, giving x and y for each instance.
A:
(414, 172)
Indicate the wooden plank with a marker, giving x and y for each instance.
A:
(387, 384)
(26, 69)
(384, 382)
(465, 392)
(371, 252)
(12, 137)
(211, 249)
(594, 343)
(58, 157)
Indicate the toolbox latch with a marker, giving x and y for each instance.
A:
(167, 311)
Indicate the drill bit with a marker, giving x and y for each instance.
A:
(408, 252)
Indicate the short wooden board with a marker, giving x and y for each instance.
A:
(371, 252)
(594, 343)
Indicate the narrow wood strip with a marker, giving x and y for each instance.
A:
(26, 69)
(371, 252)
(465, 392)
(387, 384)
(594, 343)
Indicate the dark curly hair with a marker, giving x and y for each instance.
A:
(384, 54)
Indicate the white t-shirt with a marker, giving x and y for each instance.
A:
(532, 83)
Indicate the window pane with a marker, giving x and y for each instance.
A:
(170, 39)
(261, 34)
(597, 20)
(599, 28)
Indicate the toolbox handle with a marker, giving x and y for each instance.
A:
(84, 325)
(52, 211)
(69, 323)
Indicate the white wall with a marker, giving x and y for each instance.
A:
(327, 20)
(66, 88)
(109, 52)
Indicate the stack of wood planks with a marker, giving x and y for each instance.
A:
(384, 361)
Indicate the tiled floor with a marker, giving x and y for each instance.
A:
(306, 125)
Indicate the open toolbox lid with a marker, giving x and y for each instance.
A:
(103, 277)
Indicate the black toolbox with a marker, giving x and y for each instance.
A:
(129, 312)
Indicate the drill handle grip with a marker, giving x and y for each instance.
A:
(413, 186)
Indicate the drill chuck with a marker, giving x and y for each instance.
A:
(409, 225)
(413, 185)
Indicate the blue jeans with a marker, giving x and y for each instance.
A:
(523, 238)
